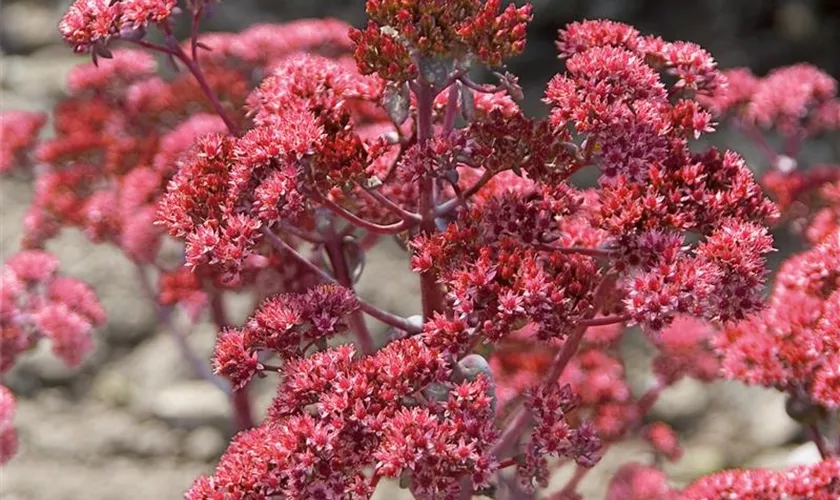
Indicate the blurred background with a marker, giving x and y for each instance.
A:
(132, 424)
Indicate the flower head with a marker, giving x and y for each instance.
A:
(436, 31)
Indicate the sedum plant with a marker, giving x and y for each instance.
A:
(277, 156)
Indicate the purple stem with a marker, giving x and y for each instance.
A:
(430, 291)
(373, 311)
(199, 367)
(239, 399)
(335, 252)
(522, 418)
(357, 221)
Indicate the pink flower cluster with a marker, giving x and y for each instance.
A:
(38, 303)
(798, 99)
(280, 327)
(394, 411)
(8, 435)
(817, 482)
(90, 24)
(18, 132)
(794, 344)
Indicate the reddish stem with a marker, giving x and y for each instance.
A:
(606, 320)
(522, 418)
(510, 462)
(357, 221)
(306, 236)
(430, 291)
(594, 252)
(373, 311)
(451, 110)
(571, 486)
(448, 206)
(755, 135)
(239, 399)
(193, 68)
(173, 49)
(389, 204)
(196, 18)
(479, 87)
(335, 252)
(200, 367)
(153, 46)
(819, 440)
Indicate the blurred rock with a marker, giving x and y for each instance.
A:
(26, 26)
(112, 388)
(43, 79)
(697, 460)
(192, 404)
(150, 439)
(685, 399)
(763, 411)
(126, 479)
(204, 444)
(150, 368)
(805, 453)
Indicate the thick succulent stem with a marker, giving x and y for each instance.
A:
(430, 291)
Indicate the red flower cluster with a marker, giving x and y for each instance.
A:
(375, 411)
(18, 132)
(404, 38)
(302, 146)
(496, 282)
(794, 345)
(280, 326)
(552, 435)
(8, 435)
(813, 482)
(279, 141)
(36, 302)
(90, 24)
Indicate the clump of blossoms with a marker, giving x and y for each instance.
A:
(36, 302)
(793, 345)
(281, 154)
